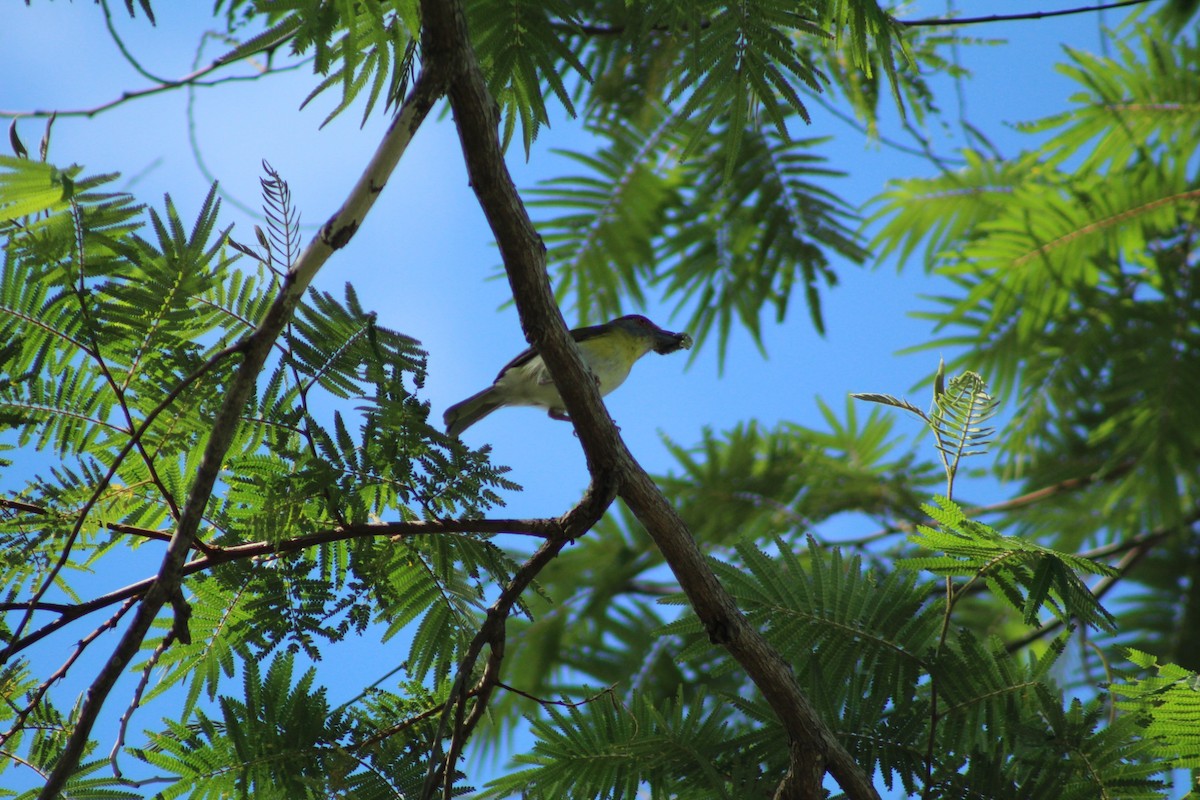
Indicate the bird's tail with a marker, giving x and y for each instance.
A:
(461, 416)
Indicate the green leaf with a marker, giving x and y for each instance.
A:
(1049, 579)
(33, 187)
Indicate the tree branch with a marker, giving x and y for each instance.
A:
(68, 613)
(334, 235)
(60, 673)
(123, 725)
(1028, 499)
(445, 41)
(98, 492)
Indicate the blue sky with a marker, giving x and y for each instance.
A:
(424, 259)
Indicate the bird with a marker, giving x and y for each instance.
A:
(609, 350)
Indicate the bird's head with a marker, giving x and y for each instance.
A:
(661, 341)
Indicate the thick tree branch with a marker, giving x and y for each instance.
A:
(811, 741)
(815, 749)
(477, 117)
(335, 234)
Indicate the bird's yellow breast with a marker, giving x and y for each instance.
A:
(612, 356)
(609, 356)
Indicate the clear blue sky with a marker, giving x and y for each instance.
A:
(424, 257)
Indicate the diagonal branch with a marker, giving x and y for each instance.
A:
(814, 748)
(612, 29)
(36, 696)
(334, 235)
(1030, 498)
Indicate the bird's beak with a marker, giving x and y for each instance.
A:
(667, 342)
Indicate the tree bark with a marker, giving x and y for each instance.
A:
(813, 747)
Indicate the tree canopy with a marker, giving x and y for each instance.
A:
(257, 462)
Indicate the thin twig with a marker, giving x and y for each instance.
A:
(1029, 15)
(192, 79)
(126, 53)
(1011, 504)
(116, 527)
(136, 701)
(611, 691)
(925, 151)
(595, 29)
(402, 726)
(119, 388)
(61, 672)
(16, 759)
(491, 634)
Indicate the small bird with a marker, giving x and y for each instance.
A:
(609, 350)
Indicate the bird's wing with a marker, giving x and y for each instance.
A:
(583, 334)
(526, 355)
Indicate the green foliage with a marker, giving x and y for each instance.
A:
(771, 229)
(724, 235)
(1027, 575)
(744, 58)
(890, 679)
(32, 187)
(659, 78)
(1166, 705)
(355, 45)
(752, 483)
(958, 417)
(609, 748)
(945, 209)
(119, 340)
(603, 243)
(882, 625)
(145, 6)
(278, 740)
(1071, 287)
(1131, 108)
(524, 54)
(1069, 752)
(1070, 282)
